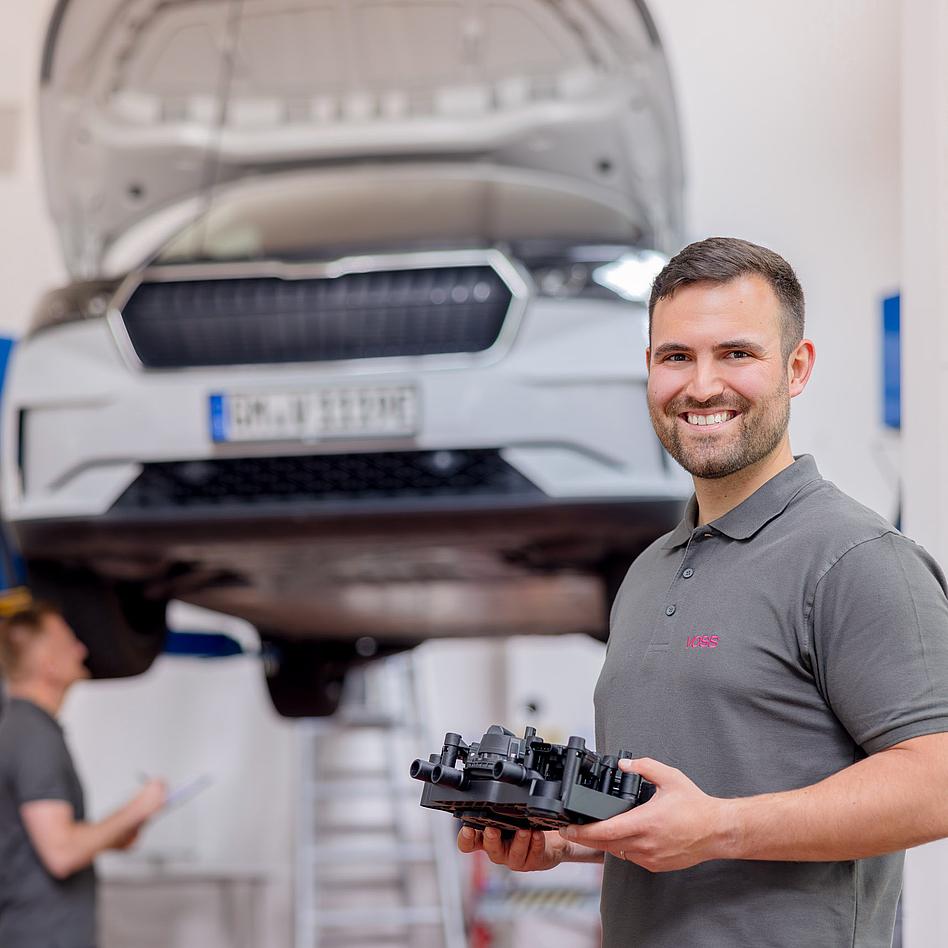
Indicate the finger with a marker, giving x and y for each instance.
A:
(469, 840)
(519, 849)
(601, 834)
(494, 845)
(583, 835)
(654, 771)
(537, 855)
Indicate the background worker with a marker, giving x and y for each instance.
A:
(47, 848)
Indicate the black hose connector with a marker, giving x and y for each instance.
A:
(508, 772)
(629, 786)
(608, 773)
(452, 746)
(421, 770)
(575, 749)
(448, 776)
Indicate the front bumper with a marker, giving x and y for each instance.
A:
(565, 405)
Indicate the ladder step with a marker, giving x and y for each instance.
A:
(357, 852)
(360, 918)
(393, 878)
(355, 776)
(348, 828)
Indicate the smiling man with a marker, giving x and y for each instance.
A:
(779, 661)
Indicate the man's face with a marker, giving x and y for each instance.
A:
(718, 385)
(59, 656)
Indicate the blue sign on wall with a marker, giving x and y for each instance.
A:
(12, 571)
(891, 362)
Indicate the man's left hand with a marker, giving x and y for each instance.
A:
(679, 827)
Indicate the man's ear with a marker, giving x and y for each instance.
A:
(800, 366)
(648, 358)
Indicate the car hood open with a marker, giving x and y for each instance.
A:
(147, 104)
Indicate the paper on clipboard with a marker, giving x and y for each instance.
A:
(180, 795)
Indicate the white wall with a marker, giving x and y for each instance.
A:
(791, 118)
(925, 361)
(29, 261)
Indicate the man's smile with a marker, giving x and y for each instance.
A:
(708, 420)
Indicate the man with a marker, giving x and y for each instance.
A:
(779, 660)
(47, 883)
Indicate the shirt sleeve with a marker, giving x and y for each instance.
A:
(880, 642)
(42, 770)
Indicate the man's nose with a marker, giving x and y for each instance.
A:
(705, 381)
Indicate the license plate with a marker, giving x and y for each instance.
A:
(330, 412)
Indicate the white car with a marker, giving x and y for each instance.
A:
(354, 343)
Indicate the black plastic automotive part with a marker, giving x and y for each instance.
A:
(526, 783)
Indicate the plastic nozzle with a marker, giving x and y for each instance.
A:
(452, 746)
(629, 786)
(508, 772)
(447, 776)
(607, 775)
(421, 770)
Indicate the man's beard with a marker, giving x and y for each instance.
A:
(761, 430)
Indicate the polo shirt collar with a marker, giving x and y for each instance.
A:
(767, 502)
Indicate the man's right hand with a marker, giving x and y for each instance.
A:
(149, 800)
(527, 851)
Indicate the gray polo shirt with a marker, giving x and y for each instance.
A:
(36, 909)
(765, 651)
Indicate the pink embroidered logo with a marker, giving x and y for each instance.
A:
(702, 641)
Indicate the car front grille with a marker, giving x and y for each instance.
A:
(327, 478)
(266, 319)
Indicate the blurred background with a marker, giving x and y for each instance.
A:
(815, 127)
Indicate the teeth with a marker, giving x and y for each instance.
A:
(702, 420)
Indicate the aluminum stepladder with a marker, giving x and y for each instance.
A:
(372, 868)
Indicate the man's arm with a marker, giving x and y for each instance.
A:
(66, 845)
(888, 801)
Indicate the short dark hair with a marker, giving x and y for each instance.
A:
(722, 259)
(17, 631)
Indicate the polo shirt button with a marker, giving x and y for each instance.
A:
(669, 610)
(688, 573)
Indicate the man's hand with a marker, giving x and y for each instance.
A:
(679, 827)
(149, 800)
(66, 845)
(528, 851)
(841, 818)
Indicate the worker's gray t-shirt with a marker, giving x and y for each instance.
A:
(36, 909)
(781, 643)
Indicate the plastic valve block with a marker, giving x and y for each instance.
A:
(526, 783)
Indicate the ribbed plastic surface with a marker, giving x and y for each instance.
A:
(266, 320)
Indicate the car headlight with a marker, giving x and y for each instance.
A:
(69, 304)
(631, 275)
(603, 272)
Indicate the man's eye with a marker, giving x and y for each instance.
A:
(676, 357)
(739, 354)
